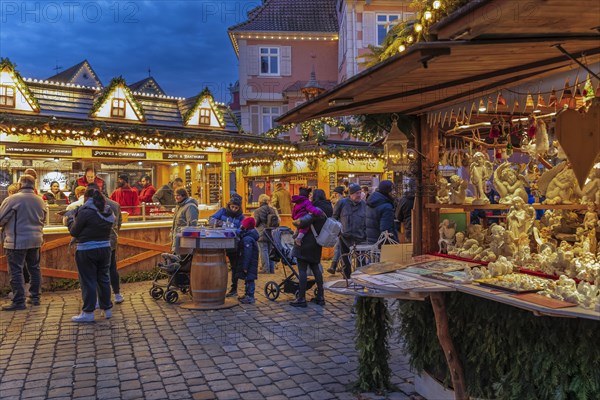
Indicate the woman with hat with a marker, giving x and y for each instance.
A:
(231, 214)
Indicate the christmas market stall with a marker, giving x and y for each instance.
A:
(506, 99)
(69, 126)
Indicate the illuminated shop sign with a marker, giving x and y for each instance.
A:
(118, 154)
(183, 156)
(38, 150)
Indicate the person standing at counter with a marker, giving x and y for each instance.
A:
(126, 196)
(166, 194)
(78, 195)
(232, 214)
(55, 194)
(89, 177)
(265, 217)
(91, 226)
(281, 199)
(147, 190)
(186, 214)
(22, 218)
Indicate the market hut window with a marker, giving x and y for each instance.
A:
(118, 108)
(204, 116)
(7, 96)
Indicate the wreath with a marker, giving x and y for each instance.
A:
(265, 168)
(288, 165)
(312, 164)
(245, 169)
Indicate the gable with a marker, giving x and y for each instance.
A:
(118, 96)
(147, 86)
(14, 92)
(86, 77)
(204, 113)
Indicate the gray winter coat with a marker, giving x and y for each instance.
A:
(22, 218)
(353, 218)
(186, 214)
(261, 215)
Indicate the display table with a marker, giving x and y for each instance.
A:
(208, 277)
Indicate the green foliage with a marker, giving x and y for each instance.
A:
(139, 276)
(58, 285)
(6, 63)
(506, 353)
(372, 330)
(114, 83)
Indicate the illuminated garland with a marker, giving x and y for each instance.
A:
(345, 153)
(208, 95)
(314, 129)
(5, 63)
(114, 84)
(138, 136)
(406, 33)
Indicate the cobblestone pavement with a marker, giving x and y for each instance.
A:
(154, 350)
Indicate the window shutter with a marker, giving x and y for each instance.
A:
(252, 60)
(369, 29)
(286, 60)
(254, 119)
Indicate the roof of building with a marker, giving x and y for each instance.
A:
(298, 85)
(291, 16)
(147, 86)
(70, 74)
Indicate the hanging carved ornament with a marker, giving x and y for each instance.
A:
(265, 168)
(579, 136)
(245, 169)
(288, 165)
(312, 164)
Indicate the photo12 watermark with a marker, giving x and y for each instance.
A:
(53, 12)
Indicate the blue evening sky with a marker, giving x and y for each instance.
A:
(183, 42)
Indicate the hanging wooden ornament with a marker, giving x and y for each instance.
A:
(579, 136)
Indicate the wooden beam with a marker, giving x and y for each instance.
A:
(163, 248)
(137, 258)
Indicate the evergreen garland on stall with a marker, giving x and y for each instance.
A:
(107, 92)
(506, 353)
(372, 330)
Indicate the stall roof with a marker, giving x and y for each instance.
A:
(481, 48)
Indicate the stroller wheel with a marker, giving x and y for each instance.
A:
(272, 290)
(316, 292)
(171, 296)
(156, 293)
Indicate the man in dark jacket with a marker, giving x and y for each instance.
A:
(351, 212)
(404, 212)
(380, 212)
(248, 258)
(166, 194)
(22, 218)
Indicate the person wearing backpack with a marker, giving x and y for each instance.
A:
(308, 252)
(380, 212)
(266, 217)
(351, 212)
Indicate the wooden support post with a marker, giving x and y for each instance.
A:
(426, 220)
(443, 333)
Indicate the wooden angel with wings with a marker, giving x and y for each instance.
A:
(509, 184)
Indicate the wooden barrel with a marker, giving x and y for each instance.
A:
(208, 278)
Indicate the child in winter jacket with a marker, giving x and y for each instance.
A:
(302, 207)
(248, 258)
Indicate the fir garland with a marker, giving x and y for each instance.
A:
(204, 94)
(314, 129)
(6, 63)
(114, 84)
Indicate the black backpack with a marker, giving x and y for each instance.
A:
(272, 220)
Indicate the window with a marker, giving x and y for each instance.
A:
(384, 23)
(204, 116)
(268, 116)
(118, 108)
(269, 61)
(7, 96)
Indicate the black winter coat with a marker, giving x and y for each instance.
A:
(310, 251)
(380, 216)
(91, 225)
(352, 216)
(403, 213)
(248, 255)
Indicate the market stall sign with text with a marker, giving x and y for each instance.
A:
(178, 156)
(118, 154)
(38, 150)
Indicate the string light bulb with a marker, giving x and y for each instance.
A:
(418, 27)
(428, 15)
(401, 48)
(437, 4)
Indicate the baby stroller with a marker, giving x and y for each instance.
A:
(282, 245)
(173, 274)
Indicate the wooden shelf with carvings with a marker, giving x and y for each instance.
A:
(537, 206)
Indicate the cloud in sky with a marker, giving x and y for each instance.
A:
(184, 43)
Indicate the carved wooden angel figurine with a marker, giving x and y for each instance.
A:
(563, 188)
(509, 184)
(481, 170)
(443, 190)
(458, 190)
(591, 190)
(520, 219)
(447, 232)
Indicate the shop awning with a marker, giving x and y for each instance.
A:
(482, 48)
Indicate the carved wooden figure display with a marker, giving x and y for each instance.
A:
(481, 170)
(509, 184)
(458, 190)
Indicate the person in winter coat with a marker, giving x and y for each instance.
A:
(166, 194)
(336, 195)
(404, 212)
(186, 214)
(126, 196)
(147, 190)
(55, 194)
(265, 215)
(351, 212)
(89, 177)
(281, 199)
(302, 207)
(22, 218)
(91, 226)
(248, 258)
(308, 253)
(232, 214)
(380, 212)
